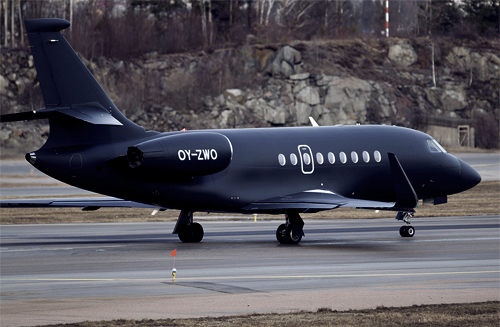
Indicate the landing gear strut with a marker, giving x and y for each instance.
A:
(188, 231)
(291, 232)
(408, 230)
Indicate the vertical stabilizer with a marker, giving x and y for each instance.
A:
(69, 87)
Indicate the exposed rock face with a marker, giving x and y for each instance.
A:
(402, 54)
(453, 100)
(287, 89)
(484, 68)
(287, 62)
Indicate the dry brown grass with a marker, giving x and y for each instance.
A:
(484, 199)
(464, 315)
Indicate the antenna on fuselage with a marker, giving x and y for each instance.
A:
(313, 122)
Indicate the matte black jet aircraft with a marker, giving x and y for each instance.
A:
(263, 170)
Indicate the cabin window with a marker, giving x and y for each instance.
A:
(377, 156)
(319, 158)
(281, 159)
(307, 159)
(331, 158)
(354, 157)
(435, 147)
(343, 157)
(293, 159)
(366, 156)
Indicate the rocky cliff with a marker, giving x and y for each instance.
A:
(394, 81)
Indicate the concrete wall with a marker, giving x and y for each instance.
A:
(448, 136)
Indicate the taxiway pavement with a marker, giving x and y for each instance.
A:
(76, 272)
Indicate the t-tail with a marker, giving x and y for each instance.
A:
(78, 109)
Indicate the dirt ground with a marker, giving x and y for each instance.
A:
(484, 199)
(464, 315)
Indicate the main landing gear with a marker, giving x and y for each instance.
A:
(408, 230)
(291, 232)
(186, 229)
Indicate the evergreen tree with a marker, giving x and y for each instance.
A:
(438, 17)
(483, 14)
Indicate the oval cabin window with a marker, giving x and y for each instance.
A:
(366, 157)
(343, 157)
(331, 158)
(281, 159)
(354, 157)
(319, 158)
(307, 159)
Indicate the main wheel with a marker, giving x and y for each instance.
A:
(280, 234)
(402, 231)
(196, 232)
(192, 233)
(184, 234)
(291, 237)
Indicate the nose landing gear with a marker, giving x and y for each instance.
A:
(408, 230)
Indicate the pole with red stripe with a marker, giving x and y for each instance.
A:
(387, 18)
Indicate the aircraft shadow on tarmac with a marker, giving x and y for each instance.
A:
(225, 238)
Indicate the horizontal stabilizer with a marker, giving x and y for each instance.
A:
(29, 115)
(92, 113)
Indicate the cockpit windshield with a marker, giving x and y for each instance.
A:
(434, 146)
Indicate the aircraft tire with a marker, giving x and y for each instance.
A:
(196, 232)
(184, 234)
(280, 234)
(407, 231)
(291, 237)
(192, 233)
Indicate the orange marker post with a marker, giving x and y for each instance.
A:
(174, 271)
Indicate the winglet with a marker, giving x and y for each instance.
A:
(405, 194)
(313, 122)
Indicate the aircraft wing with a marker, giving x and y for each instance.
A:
(315, 200)
(90, 203)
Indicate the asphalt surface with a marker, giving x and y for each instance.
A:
(76, 272)
(486, 164)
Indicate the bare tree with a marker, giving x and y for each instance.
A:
(203, 23)
(12, 29)
(21, 27)
(269, 9)
(231, 13)
(6, 22)
(293, 13)
(210, 24)
(264, 9)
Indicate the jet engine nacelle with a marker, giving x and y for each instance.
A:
(186, 154)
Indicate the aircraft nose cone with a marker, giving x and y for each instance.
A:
(469, 177)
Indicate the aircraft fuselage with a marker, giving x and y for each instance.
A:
(350, 161)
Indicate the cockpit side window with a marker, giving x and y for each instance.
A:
(435, 147)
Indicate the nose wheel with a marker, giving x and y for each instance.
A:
(408, 230)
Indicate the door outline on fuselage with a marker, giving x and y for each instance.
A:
(309, 168)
